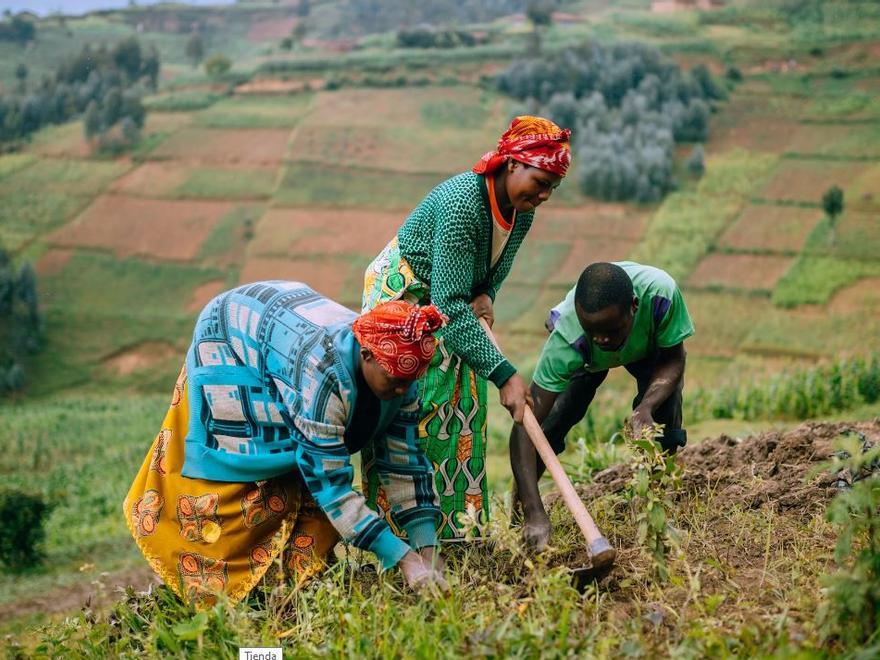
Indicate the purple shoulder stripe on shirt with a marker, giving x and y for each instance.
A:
(552, 319)
(582, 346)
(660, 306)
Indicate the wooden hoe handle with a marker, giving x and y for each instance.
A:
(598, 543)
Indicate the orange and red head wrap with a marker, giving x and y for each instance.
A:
(531, 140)
(400, 336)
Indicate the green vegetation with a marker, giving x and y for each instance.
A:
(306, 184)
(181, 101)
(813, 280)
(227, 184)
(852, 610)
(227, 240)
(259, 112)
(22, 534)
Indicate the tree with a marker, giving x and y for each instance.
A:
(540, 15)
(217, 65)
(21, 74)
(195, 49)
(832, 203)
(126, 56)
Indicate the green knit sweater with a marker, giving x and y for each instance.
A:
(447, 240)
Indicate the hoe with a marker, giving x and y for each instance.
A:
(601, 553)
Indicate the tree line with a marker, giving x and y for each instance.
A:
(102, 84)
(21, 324)
(627, 105)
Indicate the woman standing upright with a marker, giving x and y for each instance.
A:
(454, 250)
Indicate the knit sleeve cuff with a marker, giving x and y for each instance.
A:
(421, 533)
(502, 373)
(388, 548)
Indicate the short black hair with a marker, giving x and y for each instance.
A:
(603, 285)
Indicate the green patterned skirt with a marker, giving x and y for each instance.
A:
(452, 431)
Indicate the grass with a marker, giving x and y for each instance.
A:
(182, 101)
(227, 241)
(86, 451)
(257, 112)
(227, 184)
(307, 184)
(25, 215)
(813, 280)
(744, 583)
(87, 321)
(72, 177)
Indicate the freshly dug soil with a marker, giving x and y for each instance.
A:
(774, 468)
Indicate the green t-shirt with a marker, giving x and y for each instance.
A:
(661, 321)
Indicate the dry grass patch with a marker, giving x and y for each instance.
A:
(127, 226)
(862, 297)
(152, 180)
(806, 181)
(740, 271)
(864, 194)
(253, 146)
(770, 227)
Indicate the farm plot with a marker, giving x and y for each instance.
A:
(25, 215)
(256, 112)
(168, 230)
(814, 279)
(271, 30)
(855, 140)
(311, 184)
(856, 236)
(554, 222)
(339, 278)
(313, 232)
(450, 107)
(740, 271)
(581, 252)
(767, 227)
(247, 146)
(397, 149)
(806, 180)
(70, 177)
(182, 180)
(723, 320)
(865, 191)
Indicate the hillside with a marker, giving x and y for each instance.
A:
(301, 163)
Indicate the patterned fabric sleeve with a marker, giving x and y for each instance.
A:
(451, 272)
(326, 468)
(407, 476)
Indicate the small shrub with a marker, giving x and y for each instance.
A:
(656, 476)
(851, 612)
(22, 532)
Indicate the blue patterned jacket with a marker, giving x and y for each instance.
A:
(273, 382)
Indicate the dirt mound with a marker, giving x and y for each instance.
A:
(774, 468)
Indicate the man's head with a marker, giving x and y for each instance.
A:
(605, 305)
(397, 344)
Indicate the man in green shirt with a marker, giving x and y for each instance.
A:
(619, 314)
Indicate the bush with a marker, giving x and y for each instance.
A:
(22, 532)
(217, 65)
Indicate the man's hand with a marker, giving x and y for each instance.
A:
(536, 531)
(483, 308)
(515, 396)
(420, 574)
(640, 420)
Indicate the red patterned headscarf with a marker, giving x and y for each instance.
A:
(531, 140)
(400, 336)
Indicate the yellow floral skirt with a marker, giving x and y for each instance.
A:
(204, 538)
